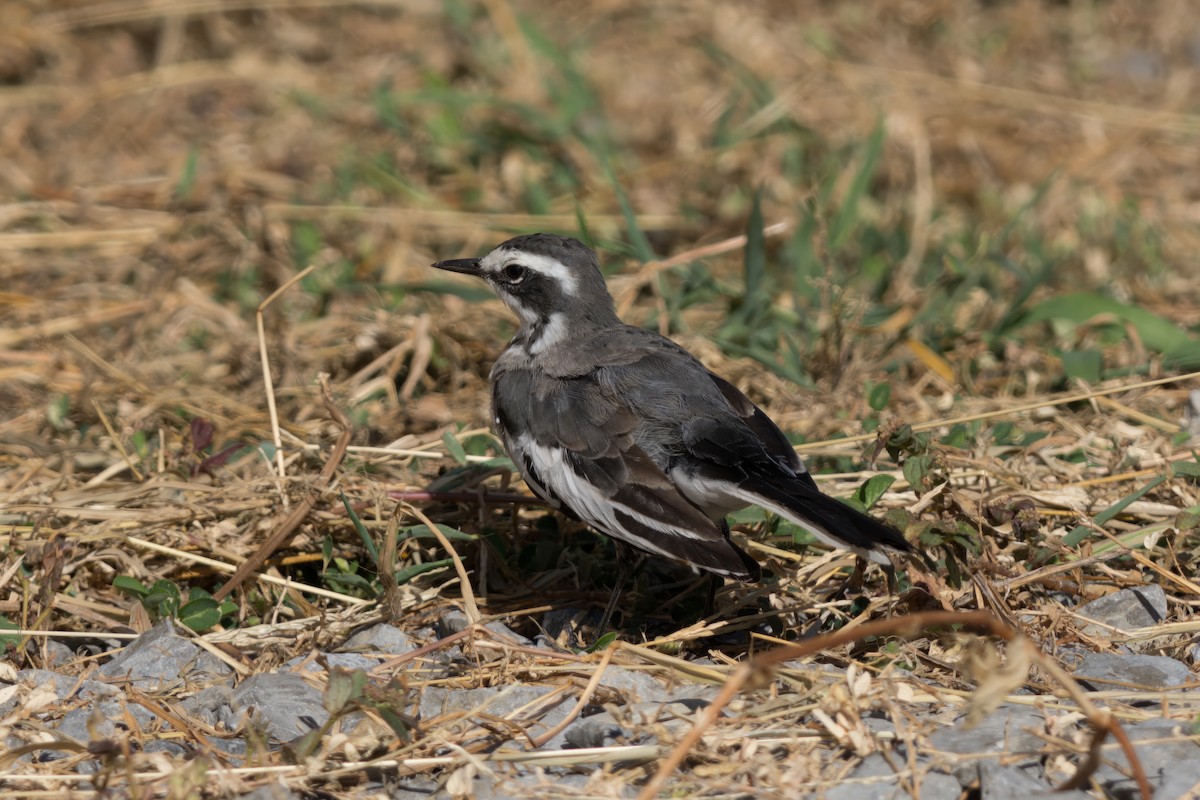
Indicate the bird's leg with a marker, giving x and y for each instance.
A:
(629, 563)
(710, 600)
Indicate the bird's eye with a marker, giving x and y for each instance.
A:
(515, 273)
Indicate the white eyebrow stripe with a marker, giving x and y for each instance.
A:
(543, 265)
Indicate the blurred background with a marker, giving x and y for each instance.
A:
(864, 213)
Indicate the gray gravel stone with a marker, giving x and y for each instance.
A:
(160, 658)
(1173, 768)
(1138, 607)
(635, 685)
(636, 723)
(381, 638)
(454, 621)
(859, 786)
(285, 703)
(497, 701)
(168, 746)
(1001, 782)
(272, 791)
(1192, 414)
(41, 677)
(334, 660)
(598, 730)
(109, 717)
(58, 653)
(213, 705)
(939, 786)
(1100, 671)
(415, 788)
(1008, 729)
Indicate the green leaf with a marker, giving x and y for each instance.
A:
(878, 395)
(57, 411)
(1155, 332)
(603, 642)
(363, 533)
(130, 585)
(163, 598)
(848, 213)
(1085, 365)
(394, 720)
(585, 231)
(345, 686)
(873, 488)
(915, 469)
(348, 579)
(1185, 469)
(422, 532)
(1116, 508)
(1188, 519)
(637, 237)
(306, 745)
(454, 447)
(1081, 532)
(200, 614)
(757, 298)
(187, 178)
(408, 573)
(8, 639)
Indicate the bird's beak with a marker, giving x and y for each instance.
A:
(467, 266)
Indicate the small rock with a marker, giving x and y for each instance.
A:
(106, 718)
(598, 730)
(451, 623)
(507, 634)
(454, 621)
(63, 684)
(1125, 610)
(637, 723)
(1008, 729)
(160, 658)
(634, 685)
(1098, 671)
(999, 782)
(349, 661)
(272, 791)
(234, 748)
(1192, 415)
(874, 779)
(213, 705)
(381, 638)
(414, 788)
(939, 786)
(167, 746)
(1173, 768)
(58, 653)
(287, 705)
(516, 702)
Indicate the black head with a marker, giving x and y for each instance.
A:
(540, 275)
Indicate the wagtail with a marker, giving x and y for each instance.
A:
(625, 430)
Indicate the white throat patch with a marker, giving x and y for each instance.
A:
(497, 260)
(553, 332)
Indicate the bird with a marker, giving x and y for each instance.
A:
(625, 430)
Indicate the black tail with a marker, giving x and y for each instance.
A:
(830, 519)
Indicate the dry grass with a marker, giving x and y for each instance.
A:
(167, 167)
